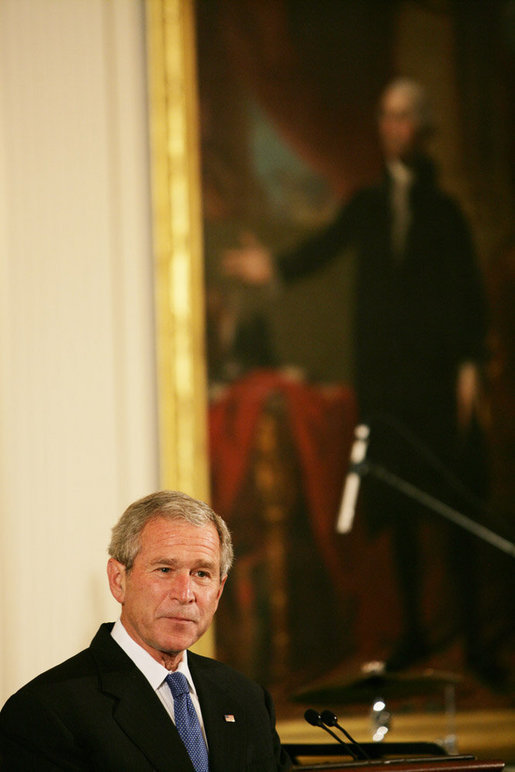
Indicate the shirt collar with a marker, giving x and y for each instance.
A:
(154, 672)
(400, 173)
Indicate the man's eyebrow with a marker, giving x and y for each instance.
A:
(211, 564)
(163, 562)
(201, 563)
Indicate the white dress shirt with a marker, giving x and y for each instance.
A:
(402, 180)
(155, 673)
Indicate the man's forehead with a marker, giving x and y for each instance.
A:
(404, 98)
(399, 100)
(165, 529)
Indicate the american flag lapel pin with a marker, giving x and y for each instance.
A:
(229, 717)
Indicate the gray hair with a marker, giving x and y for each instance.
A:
(418, 99)
(172, 505)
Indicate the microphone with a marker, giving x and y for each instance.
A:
(329, 719)
(314, 718)
(353, 480)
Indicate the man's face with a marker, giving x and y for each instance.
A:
(171, 593)
(399, 125)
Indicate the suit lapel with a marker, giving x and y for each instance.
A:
(138, 711)
(225, 719)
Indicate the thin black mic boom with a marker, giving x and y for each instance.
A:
(330, 719)
(314, 718)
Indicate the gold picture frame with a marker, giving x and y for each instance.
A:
(177, 249)
(177, 237)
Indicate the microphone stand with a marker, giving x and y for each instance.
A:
(421, 497)
(365, 467)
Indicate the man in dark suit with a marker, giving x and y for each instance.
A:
(420, 330)
(110, 707)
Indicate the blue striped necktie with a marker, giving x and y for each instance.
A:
(187, 723)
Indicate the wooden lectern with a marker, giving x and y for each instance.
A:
(440, 764)
(445, 763)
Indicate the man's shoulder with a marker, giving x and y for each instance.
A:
(441, 206)
(81, 666)
(49, 689)
(220, 671)
(209, 665)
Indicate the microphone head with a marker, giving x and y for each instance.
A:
(313, 717)
(329, 718)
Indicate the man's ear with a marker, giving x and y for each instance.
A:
(221, 588)
(117, 576)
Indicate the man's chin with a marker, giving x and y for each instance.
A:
(177, 638)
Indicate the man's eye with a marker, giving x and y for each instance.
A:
(203, 574)
(163, 570)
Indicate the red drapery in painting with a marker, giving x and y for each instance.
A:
(321, 423)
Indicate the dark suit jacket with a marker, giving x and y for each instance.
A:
(418, 318)
(97, 711)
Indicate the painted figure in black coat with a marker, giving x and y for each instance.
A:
(110, 708)
(420, 344)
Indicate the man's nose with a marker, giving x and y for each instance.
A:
(182, 588)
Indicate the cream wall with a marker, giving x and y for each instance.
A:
(78, 436)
